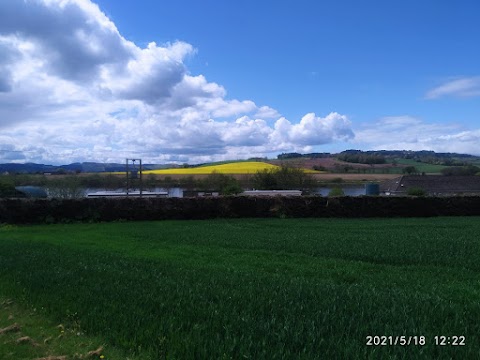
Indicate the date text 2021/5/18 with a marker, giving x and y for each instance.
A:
(407, 340)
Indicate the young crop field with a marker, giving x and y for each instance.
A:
(421, 166)
(253, 288)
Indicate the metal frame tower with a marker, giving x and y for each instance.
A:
(134, 173)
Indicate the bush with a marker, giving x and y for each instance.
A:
(336, 191)
(7, 189)
(416, 191)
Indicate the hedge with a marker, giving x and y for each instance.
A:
(29, 211)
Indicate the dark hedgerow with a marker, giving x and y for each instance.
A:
(24, 211)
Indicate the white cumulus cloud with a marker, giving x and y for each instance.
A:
(72, 88)
(313, 130)
(410, 133)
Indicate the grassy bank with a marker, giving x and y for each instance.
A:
(25, 333)
(254, 289)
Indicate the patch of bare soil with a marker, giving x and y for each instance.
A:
(97, 352)
(26, 340)
(12, 328)
(327, 163)
(355, 177)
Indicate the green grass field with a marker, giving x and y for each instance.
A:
(422, 167)
(253, 288)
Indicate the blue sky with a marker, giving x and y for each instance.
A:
(193, 81)
(364, 58)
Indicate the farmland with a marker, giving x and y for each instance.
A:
(241, 167)
(422, 167)
(253, 288)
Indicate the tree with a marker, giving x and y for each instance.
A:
(150, 181)
(265, 180)
(410, 170)
(282, 178)
(226, 184)
(232, 189)
(469, 170)
(357, 156)
(69, 187)
(285, 156)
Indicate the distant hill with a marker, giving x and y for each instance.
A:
(345, 161)
(85, 167)
(407, 154)
(377, 161)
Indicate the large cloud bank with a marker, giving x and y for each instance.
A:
(410, 133)
(73, 89)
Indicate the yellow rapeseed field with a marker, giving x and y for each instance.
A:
(243, 167)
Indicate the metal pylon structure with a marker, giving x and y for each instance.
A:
(134, 174)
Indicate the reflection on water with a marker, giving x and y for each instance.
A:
(178, 192)
(172, 192)
(347, 190)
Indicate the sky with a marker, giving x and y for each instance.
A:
(197, 81)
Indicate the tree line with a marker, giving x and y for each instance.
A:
(74, 185)
(362, 158)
